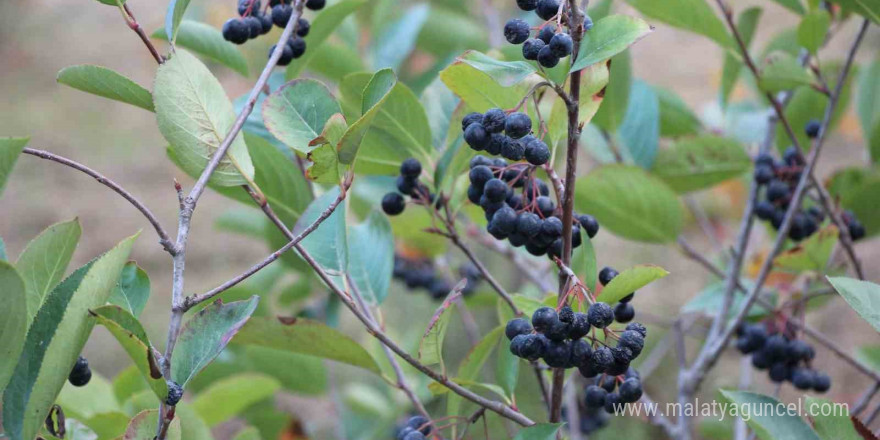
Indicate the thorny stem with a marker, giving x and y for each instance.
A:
(103, 180)
(575, 28)
(189, 205)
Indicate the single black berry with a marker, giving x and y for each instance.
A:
(561, 45)
(518, 326)
(537, 152)
(546, 57)
(514, 149)
(302, 27)
(316, 5)
(493, 120)
(589, 223)
(544, 318)
(266, 23)
(235, 31)
(281, 14)
(495, 190)
(624, 312)
(595, 396)
(764, 210)
(531, 47)
(812, 128)
(518, 124)
(558, 354)
(528, 224)
(630, 390)
(393, 203)
(248, 7)
(479, 175)
(175, 392)
(286, 54)
(777, 190)
(588, 23)
(547, 9)
(632, 340)
(613, 403)
(546, 34)
(545, 205)
(601, 359)
(821, 382)
(533, 347)
(580, 352)
(792, 156)
(297, 46)
(469, 119)
(606, 275)
(476, 136)
(411, 168)
(254, 25)
(419, 424)
(764, 174)
(516, 31)
(80, 374)
(579, 327)
(527, 5)
(638, 327)
(600, 315)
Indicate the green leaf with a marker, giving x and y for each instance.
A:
(194, 116)
(594, 81)
(173, 16)
(131, 335)
(614, 103)
(527, 305)
(584, 262)
(676, 119)
(505, 73)
(476, 88)
(207, 41)
(133, 289)
(328, 243)
(394, 44)
(776, 424)
(781, 71)
(449, 31)
(128, 383)
(371, 257)
(298, 373)
(13, 320)
(205, 335)
(112, 2)
(470, 366)
(43, 262)
(813, 28)
(248, 433)
(835, 426)
(746, 23)
(55, 339)
(322, 27)
(431, 345)
(701, 162)
(305, 336)
(506, 368)
(859, 190)
(640, 130)
(143, 427)
(867, 107)
(608, 37)
(227, 397)
(106, 82)
(709, 302)
(629, 281)
(540, 431)
(862, 296)
(10, 148)
(865, 8)
(440, 104)
(691, 15)
(325, 167)
(870, 356)
(631, 203)
(398, 130)
(793, 5)
(297, 111)
(108, 425)
(810, 254)
(371, 96)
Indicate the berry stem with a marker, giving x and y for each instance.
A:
(136, 27)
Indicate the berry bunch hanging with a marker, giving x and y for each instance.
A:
(252, 23)
(562, 340)
(549, 45)
(779, 179)
(421, 274)
(529, 218)
(408, 184)
(415, 428)
(784, 357)
(506, 135)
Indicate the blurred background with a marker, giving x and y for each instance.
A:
(40, 37)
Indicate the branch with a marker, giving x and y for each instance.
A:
(456, 240)
(575, 29)
(525, 267)
(160, 231)
(373, 329)
(136, 27)
(188, 206)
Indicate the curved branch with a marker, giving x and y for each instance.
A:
(104, 180)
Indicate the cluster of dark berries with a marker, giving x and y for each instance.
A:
(500, 134)
(526, 219)
(558, 339)
(407, 184)
(253, 23)
(623, 311)
(785, 358)
(81, 374)
(548, 46)
(612, 392)
(779, 179)
(415, 428)
(421, 274)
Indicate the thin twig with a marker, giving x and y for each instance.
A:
(164, 240)
(456, 240)
(136, 27)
